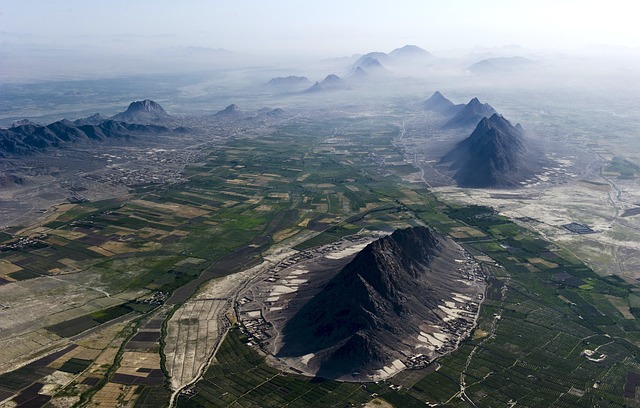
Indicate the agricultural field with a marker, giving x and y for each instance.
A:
(127, 300)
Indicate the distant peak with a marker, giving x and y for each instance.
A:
(410, 50)
(145, 106)
(22, 122)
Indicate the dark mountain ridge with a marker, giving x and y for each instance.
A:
(494, 155)
(25, 137)
(439, 104)
(146, 111)
(470, 114)
(363, 317)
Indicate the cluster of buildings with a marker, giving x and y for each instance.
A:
(255, 327)
(25, 242)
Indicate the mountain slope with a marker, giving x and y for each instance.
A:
(29, 138)
(470, 114)
(439, 104)
(494, 155)
(410, 51)
(500, 65)
(330, 83)
(146, 111)
(367, 316)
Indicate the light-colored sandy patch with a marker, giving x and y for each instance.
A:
(304, 222)
(295, 281)
(471, 231)
(306, 358)
(459, 297)
(531, 268)
(595, 186)
(459, 234)
(378, 403)
(72, 263)
(7, 267)
(390, 370)
(70, 235)
(431, 339)
(283, 290)
(346, 252)
(264, 207)
(55, 381)
(282, 196)
(452, 313)
(193, 261)
(118, 247)
(180, 210)
(480, 334)
(100, 251)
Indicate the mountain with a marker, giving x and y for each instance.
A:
(470, 114)
(288, 82)
(146, 111)
(494, 155)
(230, 112)
(500, 65)
(266, 115)
(368, 314)
(369, 66)
(89, 120)
(379, 56)
(330, 83)
(410, 51)
(22, 122)
(439, 104)
(29, 138)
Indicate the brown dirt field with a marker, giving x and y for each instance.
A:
(622, 306)
(595, 187)
(7, 267)
(109, 395)
(70, 235)
(531, 268)
(100, 251)
(479, 334)
(540, 261)
(284, 234)
(378, 403)
(179, 210)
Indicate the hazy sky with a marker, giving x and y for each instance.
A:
(328, 27)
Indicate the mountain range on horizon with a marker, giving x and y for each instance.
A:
(26, 137)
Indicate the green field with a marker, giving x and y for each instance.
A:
(241, 378)
(335, 177)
